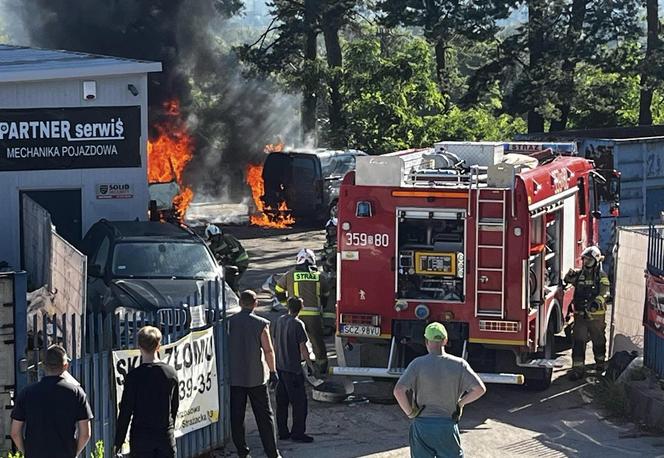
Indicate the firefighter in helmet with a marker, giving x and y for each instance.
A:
(329, 263)
(229, 252)
(305, 281)
(591, 290)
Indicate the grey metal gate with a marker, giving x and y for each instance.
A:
(92, 366)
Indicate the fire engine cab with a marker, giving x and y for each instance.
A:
(470, 235)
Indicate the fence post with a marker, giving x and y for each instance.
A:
(20, 328)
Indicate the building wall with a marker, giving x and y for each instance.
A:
(111, 91)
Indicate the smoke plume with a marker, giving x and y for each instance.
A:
(230, 115)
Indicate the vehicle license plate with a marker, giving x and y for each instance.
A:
(360, 330)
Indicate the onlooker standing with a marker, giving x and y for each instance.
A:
(150, 400)
(51, 411)
(440, 385)
(249, 341)
(291, 348)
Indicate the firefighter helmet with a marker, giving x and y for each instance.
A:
(212, 230)
(306, 255)
(593, 252)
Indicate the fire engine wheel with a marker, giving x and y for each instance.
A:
(538, 379)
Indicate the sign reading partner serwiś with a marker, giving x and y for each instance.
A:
(194, 360)
(70, 138)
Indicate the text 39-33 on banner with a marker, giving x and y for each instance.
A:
(194, 360)
(70, 138)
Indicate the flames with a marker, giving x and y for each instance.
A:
(265, 216)
(169, 154)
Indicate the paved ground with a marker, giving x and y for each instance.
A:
(506, 422)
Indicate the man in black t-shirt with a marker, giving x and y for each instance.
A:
(51, 411)
(150, 400)
(291, 349)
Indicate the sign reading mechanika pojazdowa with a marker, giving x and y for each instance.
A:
(70, 138)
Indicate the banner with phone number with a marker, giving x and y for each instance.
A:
(194, 359)
(654, 307)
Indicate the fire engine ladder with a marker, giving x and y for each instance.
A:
(490, 236)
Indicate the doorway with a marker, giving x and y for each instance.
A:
(64, 205)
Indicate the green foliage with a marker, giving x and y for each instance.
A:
(393, 101)
(612, 396)
(98, 452)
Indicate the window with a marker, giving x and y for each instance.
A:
(162, 260)
(101, 256)
(337, 166)
(582, 196)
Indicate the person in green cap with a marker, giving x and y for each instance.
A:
(433, 391)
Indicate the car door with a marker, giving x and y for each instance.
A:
(305, 191)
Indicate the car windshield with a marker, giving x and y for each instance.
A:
(162, 260)
(339, 165)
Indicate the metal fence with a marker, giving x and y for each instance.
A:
(653, 351)
(92, 360)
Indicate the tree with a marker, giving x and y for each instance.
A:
(393, 101)
(443, 20)
(649, 63)
(289, 49)
(543, 55)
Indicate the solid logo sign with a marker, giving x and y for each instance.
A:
(70, 138)
(115, 191)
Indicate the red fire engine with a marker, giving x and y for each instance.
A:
(470, 235)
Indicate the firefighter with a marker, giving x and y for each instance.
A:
(329, 263)
(591, 290)
(229, 252)
(306, 282)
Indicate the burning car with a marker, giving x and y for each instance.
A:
(139, 268)
(307, 181)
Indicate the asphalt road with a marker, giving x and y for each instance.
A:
(507, 422)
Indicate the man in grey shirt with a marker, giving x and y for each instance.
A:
(249, 343)
(432, 391)
(291, 345)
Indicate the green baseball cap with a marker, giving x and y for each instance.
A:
(435, 332)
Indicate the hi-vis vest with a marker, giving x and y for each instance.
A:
(305, 284)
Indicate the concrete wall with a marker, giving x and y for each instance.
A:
(630, 290)
(111, 91)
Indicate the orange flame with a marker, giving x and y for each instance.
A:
(281, 219)
(169, 154)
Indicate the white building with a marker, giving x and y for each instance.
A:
(73, 137)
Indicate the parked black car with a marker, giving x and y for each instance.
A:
(136, 267)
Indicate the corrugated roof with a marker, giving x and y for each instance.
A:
(19, 63)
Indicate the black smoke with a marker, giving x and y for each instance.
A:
(230, 115)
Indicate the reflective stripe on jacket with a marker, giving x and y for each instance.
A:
(307, 284)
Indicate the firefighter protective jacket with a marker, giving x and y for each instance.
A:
(590, 285)
(228, 250)
(307, 283)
